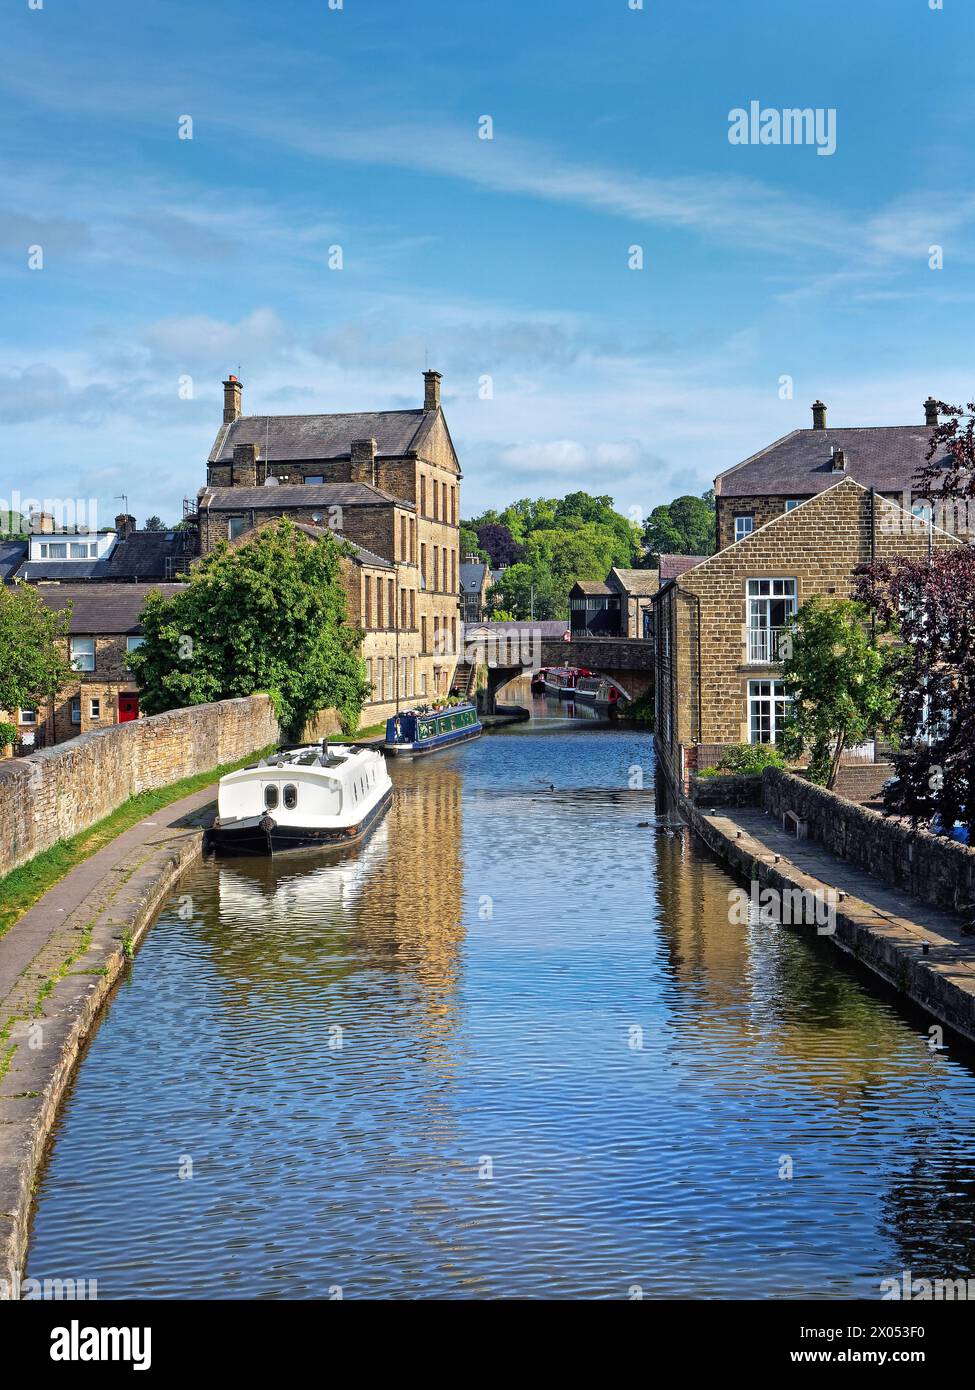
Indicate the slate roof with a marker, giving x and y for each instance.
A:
(12, 554)
(640, 583)
(288, 495)
(672, 566)
(887, 457)
(35, 570)
(590, 586)
(143, 555)
(547, 627)
(103, 609)
(472, 578)
(288, 438)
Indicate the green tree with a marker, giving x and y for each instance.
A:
(267, 615)
(469, 545)
(682, 527)
(33, 658)
(842, 683)
(154, 523)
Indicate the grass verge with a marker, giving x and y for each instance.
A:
(22, 888)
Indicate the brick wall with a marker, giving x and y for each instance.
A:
(934, 869)
(60, 791)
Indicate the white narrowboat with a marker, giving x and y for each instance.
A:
(302, 798)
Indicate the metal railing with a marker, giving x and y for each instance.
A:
(765, 644)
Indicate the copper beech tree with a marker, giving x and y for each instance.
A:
(927, 605)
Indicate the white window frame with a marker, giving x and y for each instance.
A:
(792, 503)
(27, 716)
(95, 709)
(82, 649)
(741, 529)
(773, 701)
(763, 636)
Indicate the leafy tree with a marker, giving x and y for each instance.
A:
(469, 544)
(155, 523)
(682, 527)
(33, 657)
(267, 615)
(928, 604)
(13, 524)
(499, 544)
(524, 591)
(841, 683)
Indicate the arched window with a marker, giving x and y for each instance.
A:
(271, 796)
(290, 797)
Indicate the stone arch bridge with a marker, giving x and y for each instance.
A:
(628, 662)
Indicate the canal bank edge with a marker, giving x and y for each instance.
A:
(55, 1002)
(934, 970)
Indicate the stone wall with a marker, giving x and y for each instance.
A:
(62, 790)
(930, 867)
(725, 791)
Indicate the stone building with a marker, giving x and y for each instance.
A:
(104, 627)
(389, 482)
(475, 581)
(807, 462)
(719, 624)
(117, 555)
(619, 606)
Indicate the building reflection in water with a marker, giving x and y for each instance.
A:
(287, 924)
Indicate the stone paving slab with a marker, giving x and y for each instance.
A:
(58, 964)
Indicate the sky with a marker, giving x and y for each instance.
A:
(771, 274)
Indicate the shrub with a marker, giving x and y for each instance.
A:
(746, 760)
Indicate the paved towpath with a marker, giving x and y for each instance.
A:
(58, 964)
(27, 937)
(921, 950)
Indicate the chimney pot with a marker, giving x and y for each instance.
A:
(819, 415)
(42, 523)
(125, 524)
(431, 390)
(931, 411)
(231, 399)
(245, 465)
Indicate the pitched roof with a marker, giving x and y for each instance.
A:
(288, 438)
(12, 555)
(290, 495)
(637, 582)
(545, 627)
(671, 566)
(102, 609)
(35, 570)
(886, 457)
(144, 555)
(590, 586)
(472, 577)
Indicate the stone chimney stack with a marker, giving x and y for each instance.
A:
(42, 523)
(245, 465)
(931, 411)
(431, 390)
(231, 399)
(124, 525)
(819, 415)
(363, 466)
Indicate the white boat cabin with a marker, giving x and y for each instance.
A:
(313, 786)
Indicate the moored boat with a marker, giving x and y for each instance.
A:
(562, 680)
(416, 732)
(313, 797)
(598, 691)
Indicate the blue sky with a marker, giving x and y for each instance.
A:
(166, 258)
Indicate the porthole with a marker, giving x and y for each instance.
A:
(290, 797)
(271, 797)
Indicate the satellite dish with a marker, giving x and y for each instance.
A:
(271, 480)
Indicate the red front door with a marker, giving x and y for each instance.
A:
(128, 708)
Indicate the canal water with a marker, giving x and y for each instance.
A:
(516, 1047)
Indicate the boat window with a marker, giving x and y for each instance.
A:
(270, 796)
(290, 797)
